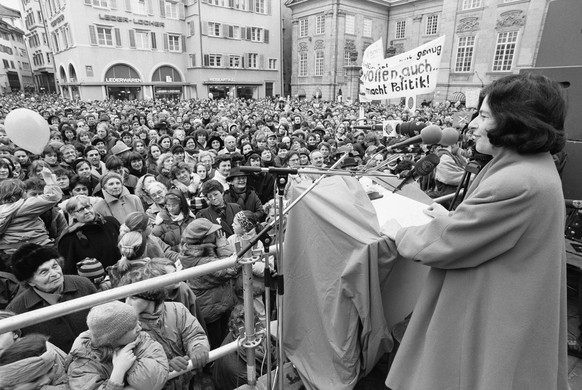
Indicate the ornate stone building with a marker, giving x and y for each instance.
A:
(485, 40)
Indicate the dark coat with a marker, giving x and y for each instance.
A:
(63, 330)
(226, 216)
(97, 239)
(263, 184)
(169, 231)
(249, 200)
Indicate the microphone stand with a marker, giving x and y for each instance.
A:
(471, 168)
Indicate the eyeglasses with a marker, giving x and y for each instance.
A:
(157, 194)
(84, 208)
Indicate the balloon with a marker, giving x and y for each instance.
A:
(27, 129)
(22, 96)
(210, 96)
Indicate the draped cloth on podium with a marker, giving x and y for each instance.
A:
(335, 263)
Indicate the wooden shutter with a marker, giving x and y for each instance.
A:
(231, 3)
(268, 6)
(231, 31)
(225, 30)
(249, 33)
(162, 8)
(154, 42)
(150, 7)
(113, 4)
(132, 39)
(204, 28)
(181, 11)
(93, 34)
(190, 28)
(261, 64)
(243, 33)
(117, 37)
(242, 61)
(266, 36)
(206, 60)
(183, 39)
(128, 5)
(165, 38)
(193, 60)
(224, 61)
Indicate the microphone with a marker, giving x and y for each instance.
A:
(423, 167)
(573, 204)
(450, 136)
(429, 135)
(377, 127)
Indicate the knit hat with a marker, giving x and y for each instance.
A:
(27, 259)
(119, 148)
(109, 322)
(197, 230)
(244, 221)
(90, 268)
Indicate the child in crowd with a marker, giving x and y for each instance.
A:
(115, 353)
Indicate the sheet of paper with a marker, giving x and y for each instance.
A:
(406, 211)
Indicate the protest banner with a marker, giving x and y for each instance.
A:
(408, 74)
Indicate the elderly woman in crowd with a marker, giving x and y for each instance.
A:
(115, 353)
(173, 219)
(89, 235)
(117, 201)
(39, 269)
(19, 216)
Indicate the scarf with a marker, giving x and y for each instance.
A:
(25, 370)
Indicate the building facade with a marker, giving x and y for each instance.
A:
(485, 40)
(142, 49)
(39, 48)
(15, 69)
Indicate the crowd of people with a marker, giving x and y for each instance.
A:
(129, 190)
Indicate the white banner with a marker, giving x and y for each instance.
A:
(411, 73)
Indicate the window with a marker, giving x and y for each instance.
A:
(350, 24)
(56, 41)
(171, 10)
(320, 24)
(367, 28)
(504, 51)
(347, 58)
(100, 3)
(260, 6)
(215, 60)
(303, 27)
(302, 64)
(253, 60)
(319, 63)
(174, 43)
(256, 34)
(104, 36)
(214, 29)
(465, 50)
(140, 7)
(48, 58)
(400, 29)
(234, 61)
(240, 4)
(273, 63)
(471, 4)
(432, 23)
(6, 64)
(235, 32)
(142, 40)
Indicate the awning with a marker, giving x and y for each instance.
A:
(458, 97)
(238, 83)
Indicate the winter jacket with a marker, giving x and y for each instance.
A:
(97, 239)
(170, 231)
(179, 333)
(249, 200)
(87, 372)
(20, 221)
(118, 207)
(223, 217)
(214, 292)
(62, 330)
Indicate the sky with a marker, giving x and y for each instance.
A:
(14, 4)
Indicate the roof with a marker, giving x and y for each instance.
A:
(9, 12)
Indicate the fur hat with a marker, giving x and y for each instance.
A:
(197, 230)
(27, 259)
(109, 322)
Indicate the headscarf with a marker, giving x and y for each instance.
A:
(24, 370)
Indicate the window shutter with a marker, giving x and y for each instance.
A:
(88, 2)
(117, 37)
(204, 28)
(165, 38)
(249, 33)
(163, 8)
(242, 61)
(192, 60)
(250, 5)
(206, 60)
(93, 35)
(183, 43)
(225, 30)
(266, 35)
(261, 63)
(231, 31)
(231, 3)
(154, 42)
(113, 4)
(243, 33)
(181, 11)
(150, 7)
(268, 6)
(128, 5)
(224, 61)
(190, 28)
(132, 39)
